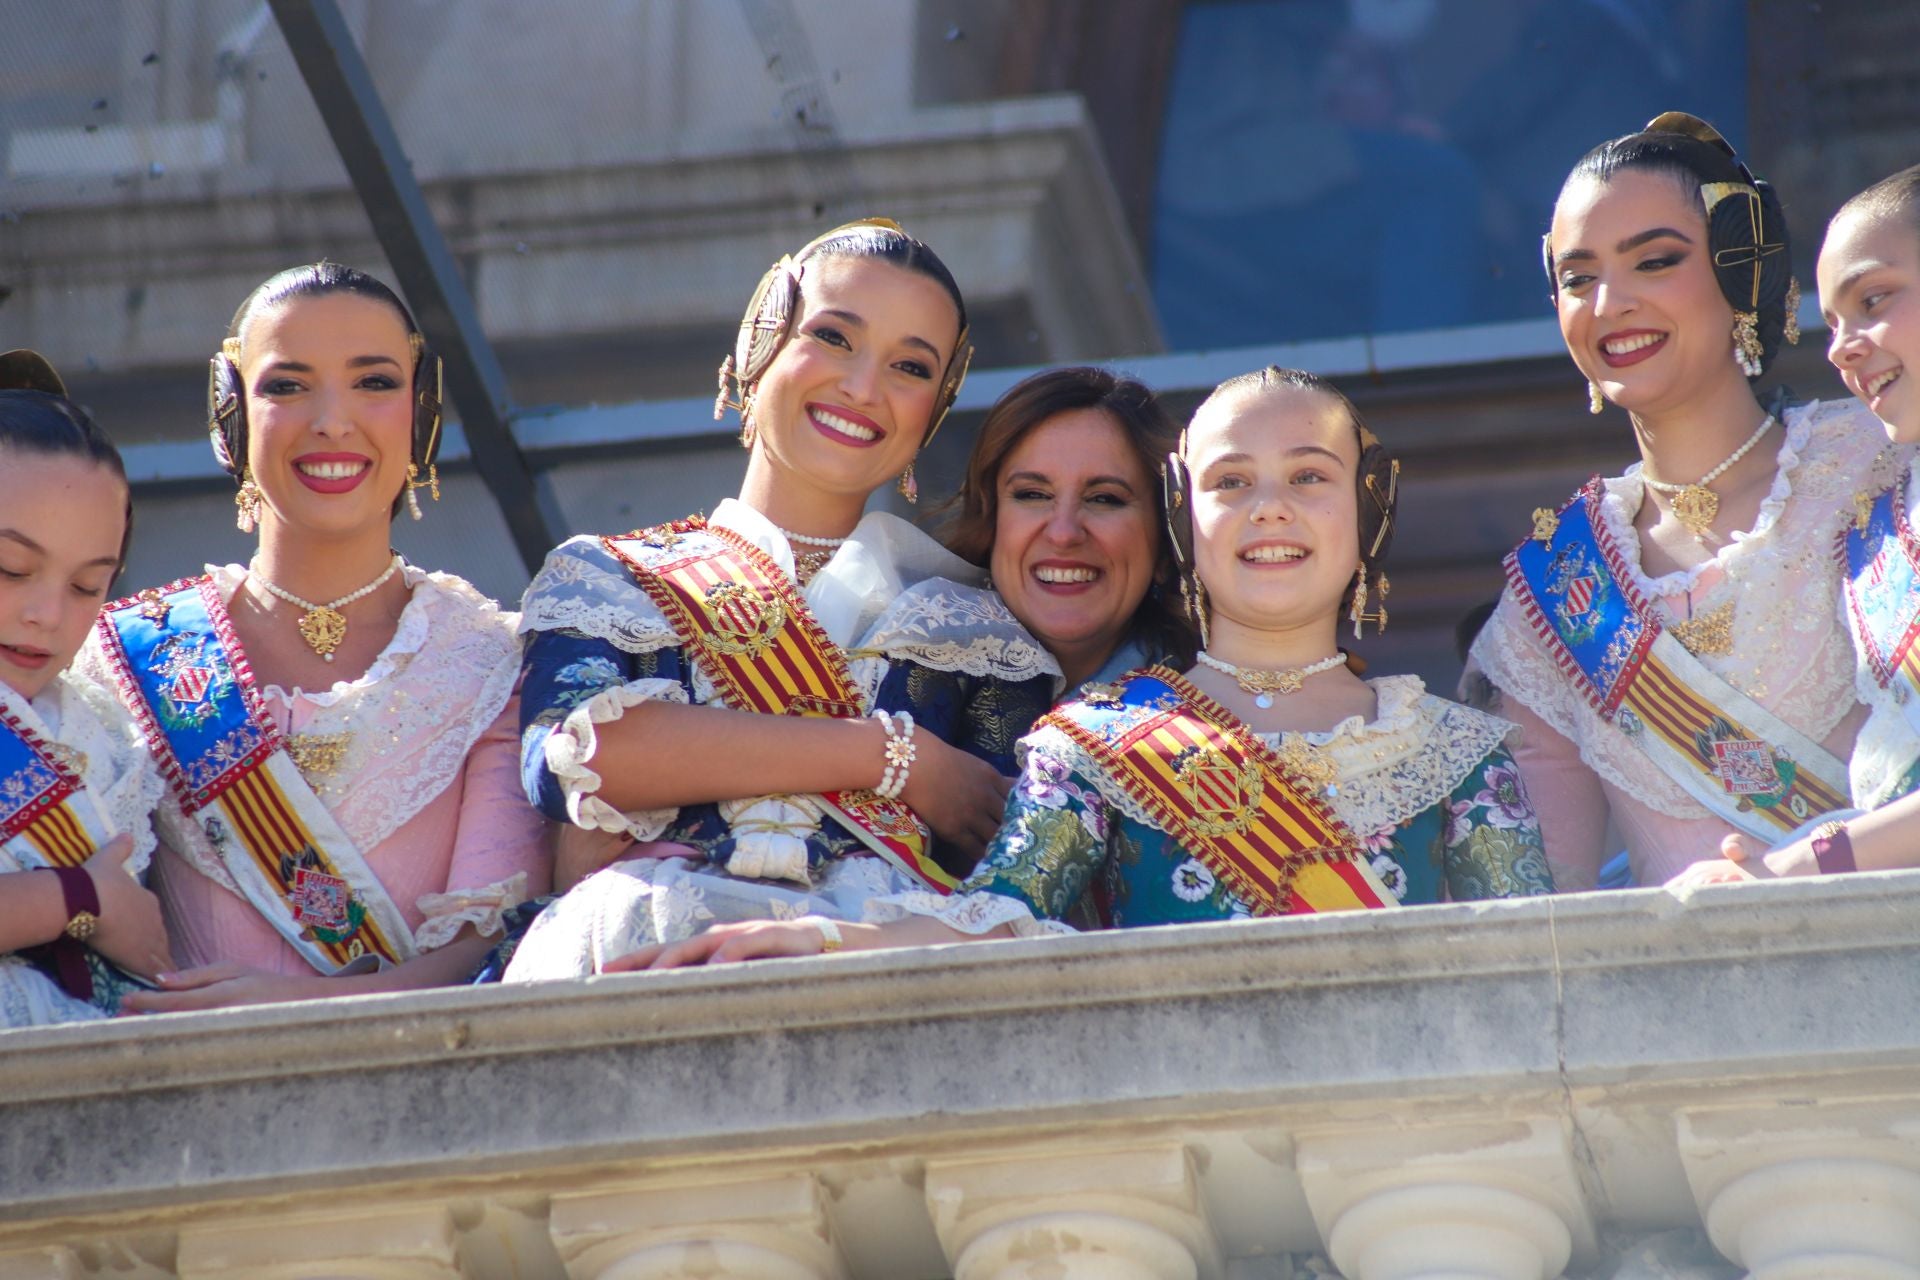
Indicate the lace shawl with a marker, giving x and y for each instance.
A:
(410, 720)
(1791, 654)
(890, 592)
(1407, 759)
(113, 762)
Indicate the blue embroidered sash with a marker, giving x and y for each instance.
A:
(47, 816)
(1728, 752)
(182, 672)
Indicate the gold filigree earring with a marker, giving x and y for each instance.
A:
(431, 484)
(1596, 399)
(909, 486)
(248, 500)
(1357, 612)
(1792, 333)
(1747, 351)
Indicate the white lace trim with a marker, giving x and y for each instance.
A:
(76, 713)
(875, 595)
(447, 913)
(413, 718)
(572, 744)
(1791, 654)
(954, 628)
(1624, 493)
(971, 913)
(1412, 755)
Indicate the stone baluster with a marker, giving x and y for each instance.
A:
(768, 1229)
(54, 1262)
(1811, 1195)
(1096, 1215)
(418, 1242)
(1447, 1202)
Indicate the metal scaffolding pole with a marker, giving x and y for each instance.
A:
(324, 50)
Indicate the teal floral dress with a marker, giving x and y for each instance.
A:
(1427, 786)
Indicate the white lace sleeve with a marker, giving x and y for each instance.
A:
(582, 588)
(971, 913)
(572, 744)
(447, 913)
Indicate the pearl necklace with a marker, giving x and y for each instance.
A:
(1267, 683)
(808, 563)
(323, 626)
(1696, 505)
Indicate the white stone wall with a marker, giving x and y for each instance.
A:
(1487, 1090)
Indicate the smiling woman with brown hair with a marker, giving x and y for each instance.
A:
(1668, 641)
(794, 708)
(336, 725)
(1062, 502)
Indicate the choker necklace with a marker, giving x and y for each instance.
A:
(1695, 505)
(323, 626)
(807, 563)
(1265, 684)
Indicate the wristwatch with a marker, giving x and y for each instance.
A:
(1833, 848)
(82, 901)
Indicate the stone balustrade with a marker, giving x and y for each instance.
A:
(1503, 1091)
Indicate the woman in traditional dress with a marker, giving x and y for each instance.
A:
(337, 726)
(1062, 503)
(1269, 779)
(1870, 294)
(793, 707)
(1667, 641)
(76, 791)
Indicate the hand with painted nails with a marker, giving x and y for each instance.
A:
(131, 932)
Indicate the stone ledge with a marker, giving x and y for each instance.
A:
(1654, 1005)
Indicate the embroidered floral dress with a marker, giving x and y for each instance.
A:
(100, 744)
(1886, 757)
(1427, 786)
(1783, 646)
(921, 636)
(417, 762)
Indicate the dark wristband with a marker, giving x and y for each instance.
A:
(1833, 849)
(82, 899)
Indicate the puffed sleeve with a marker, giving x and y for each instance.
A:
(572, 684)
(1494, 848)
(502, 849)
(1568, 798)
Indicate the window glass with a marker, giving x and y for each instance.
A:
(1337, 167)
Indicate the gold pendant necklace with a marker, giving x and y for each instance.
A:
(1695, 505)
(323, 626)
(1267, 683)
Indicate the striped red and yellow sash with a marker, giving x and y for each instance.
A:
(37, 784)
(183, 674)
(1227, 798)
(738, 614)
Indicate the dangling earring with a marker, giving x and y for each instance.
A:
(909, 487)
(1747, 351)
(248, 501)
(747, 430)
(1193, 598)
(1792, 333)
(1596, 400)
(1357, 612)
(413, 483)
(721, 400)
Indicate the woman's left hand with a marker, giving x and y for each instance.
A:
(223, 985)
(724, 943)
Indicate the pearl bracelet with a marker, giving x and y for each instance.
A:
(900, 753)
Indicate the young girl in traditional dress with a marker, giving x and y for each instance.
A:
(337, 726)
(1267, 780)
(1869, 275)
(1667, 642)
(793, 707)
(76, 791)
